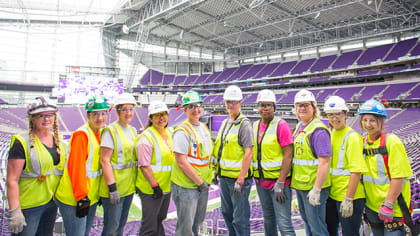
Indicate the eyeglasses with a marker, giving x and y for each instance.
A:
(98, 114)
(232, 102)
(43, 116)
(159, 115)
(335, 115)
(265, 106)
(303, 105)
(194, 106)
(126, 110)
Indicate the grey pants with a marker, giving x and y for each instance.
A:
(154, 211)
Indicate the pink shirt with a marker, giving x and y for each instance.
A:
(285, 135)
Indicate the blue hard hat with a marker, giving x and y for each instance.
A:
(373, 107)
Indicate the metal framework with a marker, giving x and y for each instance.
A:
(249, 28)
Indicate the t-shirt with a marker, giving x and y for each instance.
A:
(182, 140)
(285, 137)
(108, 141)
(18, 152)
(353, 161)
(320, 142)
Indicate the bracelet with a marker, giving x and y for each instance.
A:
(156, 184)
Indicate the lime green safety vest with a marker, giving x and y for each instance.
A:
(93, 172)
(40, 178)
(268, 155)
(227, 151)
(376, 180)
(197, 156)
(123, 161)
(305, 164)
(161, 162)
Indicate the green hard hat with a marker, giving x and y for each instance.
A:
(191, 97)
(96, 103)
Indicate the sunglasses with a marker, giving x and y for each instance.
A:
(43, 116)
(335, 115)
(98, 114)
(303, 105)
(232, 102)
(126, 110)
(159, 115)
(265, 106)
(194, 106)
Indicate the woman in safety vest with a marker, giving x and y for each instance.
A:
(119, 167)
(192, 172)
(310, 170)
(233, 152)
(78, 193)
(387, 179)
(155, 155)
(34, 168)
(347, 196)
(273, 151)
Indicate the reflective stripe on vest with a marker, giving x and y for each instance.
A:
(158, 166)
(195, 157)
(305, 162)
(339, 170)
(89, 173)
(267, 164)
(36, 168)
(120, 151)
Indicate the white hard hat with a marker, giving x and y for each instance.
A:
(156, 107)
(232, 93)
(304, 96)
(41, 104)
(266, 95)
(125, 98)
(335, 104)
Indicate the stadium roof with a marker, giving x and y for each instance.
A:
(247, 28)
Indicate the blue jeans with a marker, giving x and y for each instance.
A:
(313, 216)
(115, 215)
(235, 208)
(191, 207)
(381, 231)
(276, 214)
(39, 220)
(350, 226)
(73, 225)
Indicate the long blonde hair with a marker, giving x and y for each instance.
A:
(56, 135)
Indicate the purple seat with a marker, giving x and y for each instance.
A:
(401, 49)
(370, 91)
(239, 73)
(168, 79)
(283, 69)
(267, 70)
(415, 51)
(303, 66)
(372, 54)
(323, 63)
(255, 69)
(145, 80)
(156, 77)
(346, 59)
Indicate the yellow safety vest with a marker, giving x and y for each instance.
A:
(161, 162)
(268, 155)
(123, 161)
(305, 164)
(93, 172)
(40, 178)
(376, 180)
(340, 176)
(198, 157)
(227, 152)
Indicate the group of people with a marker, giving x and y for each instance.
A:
(337, 174)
